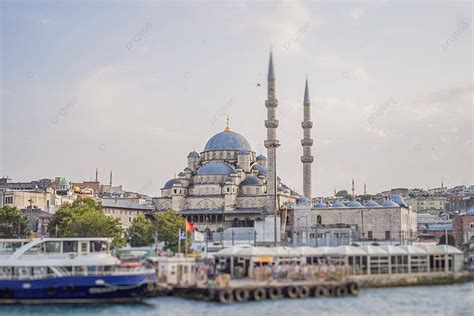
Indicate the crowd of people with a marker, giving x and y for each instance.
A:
(293, 271)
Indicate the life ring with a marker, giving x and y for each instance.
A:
(353, 288)
(304, 291)
(225, 296)
(51, 290)
(241, 295)
(275, 293)
(292, 292)
(331, 290)
(69, 288)
(320, 291)
(259, 294)
(341, 291)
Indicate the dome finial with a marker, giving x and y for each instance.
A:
(227, 128)
(271, 71)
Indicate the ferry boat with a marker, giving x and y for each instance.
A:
(70, 270)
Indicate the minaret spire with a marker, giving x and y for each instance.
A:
(227, 128)
(353, 190)
(110, 181)
(365, 189)
(307, 142)
(96, 174)
(271, 143)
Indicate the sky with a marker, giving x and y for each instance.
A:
(133, 87)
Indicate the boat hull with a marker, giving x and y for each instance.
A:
(77, 289)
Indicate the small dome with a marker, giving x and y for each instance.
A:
(193, 154)
(470, 212)
(262, 170)
(372, 203)
(337, 204)
(389, 203)
(354, 204)
(399, 200)
(227, 140)
(187, 169)
(320, 204)
(302, 201)
(169, 184)
(63, 182)
(261, 158)
(181, 174)
(215, 168)
(251, 180)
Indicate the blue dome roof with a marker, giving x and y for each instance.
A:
(227, 140)
(215, 168)
(302, 201)
(193, 154)
(470, 212)
(262, 170)
(337, 204)
(169, 184)
(320, 204)
(389, 203)
(251, 180)
(372, 204)
(399, 200)
(354, 204)
(261, 157)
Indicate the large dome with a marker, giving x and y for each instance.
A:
(215, 168)
(227, 140)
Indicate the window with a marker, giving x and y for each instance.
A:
(228, 189)
(472, 225)
(387, 235)
(9, 200)
(319, 220)
(129, 219)
(174, 191)
(370, 234)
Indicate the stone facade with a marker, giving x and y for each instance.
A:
(463, 228)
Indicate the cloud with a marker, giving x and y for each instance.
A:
(356, 13)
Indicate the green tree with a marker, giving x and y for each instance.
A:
(13, 224)
(451, 240)
(85, 218)
(344, 194)
(167, 225)
(141, 232)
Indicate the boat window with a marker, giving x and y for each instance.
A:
(83, 247)
(98, 246)
(69, 246)
(34, 250)
(91, 269)
(53, 246)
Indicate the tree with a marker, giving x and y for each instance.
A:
(344, 194)
(167, 225)
(451, 240)
(85, 218)
(141, 232)
(13, 224)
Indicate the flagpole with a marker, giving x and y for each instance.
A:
(186, 240)
(179, 240)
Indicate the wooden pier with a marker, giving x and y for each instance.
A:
(252, 290)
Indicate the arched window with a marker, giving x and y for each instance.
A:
(319, 220)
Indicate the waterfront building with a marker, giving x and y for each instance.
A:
(126, 210)
(463, 228)
(390, 221)
(428, 204)
(21, 199)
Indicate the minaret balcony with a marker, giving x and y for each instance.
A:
(271, 103)
(271, 143)
(307, 124)
(307, 142)
(271, 123)
(307, 159)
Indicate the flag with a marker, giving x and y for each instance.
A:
(189, 226)
(198, 236)
(182, 235)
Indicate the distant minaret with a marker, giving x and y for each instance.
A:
(110, 182)
(353, 190)
(365, 189)
(271, 143)
(334, 191)
(96, 174)
(307, 142)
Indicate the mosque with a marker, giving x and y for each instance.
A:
(229, 183)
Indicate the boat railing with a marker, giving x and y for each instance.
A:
(72, 273)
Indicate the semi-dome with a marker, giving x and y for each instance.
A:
(261, 158)
(372, 203)
(227, 140)
(354, 204)
(215, 168)
(399, 200)
(320, 204)
(262, 170)
(389, 203)
(251, 180)
(193, 154)
(169, 184)
(338, 204)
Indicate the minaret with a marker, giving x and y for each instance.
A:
(271, 143)
(96, 174)
(353, 190)
(307, 142)
(110, 182)
(365, 189)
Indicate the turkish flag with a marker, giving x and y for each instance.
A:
(189, 227)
